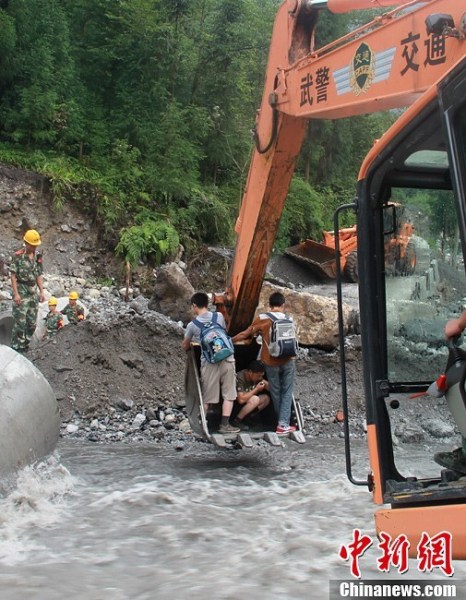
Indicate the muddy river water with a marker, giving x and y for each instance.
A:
(117, 522)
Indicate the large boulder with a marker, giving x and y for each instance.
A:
(316, 317)
(172, 293)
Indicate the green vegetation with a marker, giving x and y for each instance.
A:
(152, 240)
(439, 225)
(141, 111)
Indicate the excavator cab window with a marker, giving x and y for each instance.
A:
(422, 284)
(412, 281)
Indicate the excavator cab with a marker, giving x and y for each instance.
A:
(421, 161)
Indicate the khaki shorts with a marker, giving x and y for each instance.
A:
(218, 379)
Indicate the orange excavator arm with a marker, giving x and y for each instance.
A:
(385, 64)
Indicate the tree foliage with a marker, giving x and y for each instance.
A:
(144, 108)
(299, 220)
(152, 240)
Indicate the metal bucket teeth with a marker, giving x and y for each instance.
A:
(298, 436)
(244, 439)
(218, 440)
(272, 438)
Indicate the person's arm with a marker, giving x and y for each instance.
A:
(244, 397)
(188, 336)
(14, 286)
(186, 344)
(46, 330)
(243, 335)
(455, 327)
(265, 387)
(40, 285)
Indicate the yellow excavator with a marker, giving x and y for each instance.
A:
(321, 257)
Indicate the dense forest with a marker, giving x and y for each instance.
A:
(142, 111)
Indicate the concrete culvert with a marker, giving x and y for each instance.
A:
(6, 327)
(30, 420)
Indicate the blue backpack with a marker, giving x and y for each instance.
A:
(216, 344)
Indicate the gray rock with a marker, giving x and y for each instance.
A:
(439, 428)
(427, 331)
(409, 433)
(123, 403)
(132, 361)
(140, 305)
(172, 293)
(138, 421)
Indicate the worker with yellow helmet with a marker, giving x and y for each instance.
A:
(53, 319)
(26, 274)
(73, 311)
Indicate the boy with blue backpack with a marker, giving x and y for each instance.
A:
(218, 374)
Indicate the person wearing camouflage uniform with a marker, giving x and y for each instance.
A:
(26, 273)
(73, 311)
(53, 319)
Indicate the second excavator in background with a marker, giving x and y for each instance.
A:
(321, 257)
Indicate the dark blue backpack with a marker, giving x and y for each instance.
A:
(216, 344)
(283, 343)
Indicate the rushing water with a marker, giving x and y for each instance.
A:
(119, 522)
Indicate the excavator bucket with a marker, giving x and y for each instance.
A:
(206, 426)
(318, 258)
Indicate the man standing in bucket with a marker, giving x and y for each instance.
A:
(280, 371)
(26, 274)
(217, 379)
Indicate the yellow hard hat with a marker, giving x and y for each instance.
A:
(32, 237)
(53, 301)
(73, 295)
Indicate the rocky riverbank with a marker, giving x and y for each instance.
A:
(119, 375)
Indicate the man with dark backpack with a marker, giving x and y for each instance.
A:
(218, 375)
(278, 352)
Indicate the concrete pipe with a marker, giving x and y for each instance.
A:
(30, 420)
(6, 327)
